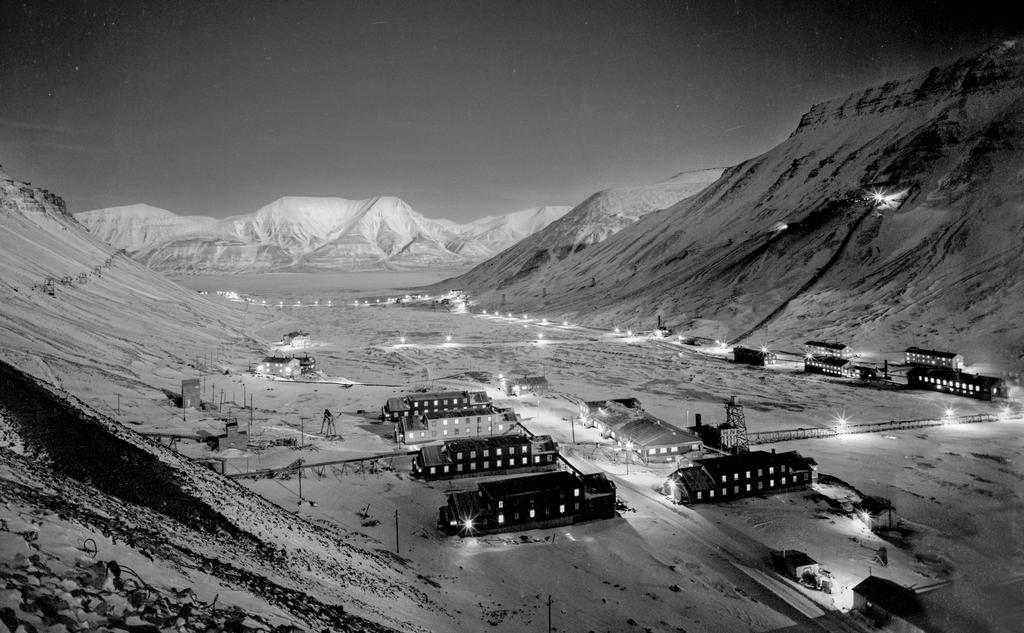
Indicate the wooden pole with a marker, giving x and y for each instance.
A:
(119, 404)
(396, 531)
(549, 613)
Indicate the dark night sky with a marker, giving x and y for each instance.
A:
(463, 109)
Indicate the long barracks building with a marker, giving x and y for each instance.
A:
(480, 456)
(957, 383)
(741, 475)
(529, 502)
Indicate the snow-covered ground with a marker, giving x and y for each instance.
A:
(942, 480)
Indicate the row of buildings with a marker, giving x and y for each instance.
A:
(493, 443)
(931, 370)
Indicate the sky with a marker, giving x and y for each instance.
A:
(463, 109)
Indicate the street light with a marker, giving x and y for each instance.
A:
(629, 455)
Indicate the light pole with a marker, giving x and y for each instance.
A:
(629, 455)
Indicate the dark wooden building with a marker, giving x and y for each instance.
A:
(439, 426)
(528, 502)
(933, 358)
(957, 383)
(481, 456)
(526, 384)
(741, 475)
(749, 356)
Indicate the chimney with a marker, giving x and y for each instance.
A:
(696, 417)
(773, 451)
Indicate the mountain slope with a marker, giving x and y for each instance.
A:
(594, 220)
(91, 340)
(309, 233)
(941, 269)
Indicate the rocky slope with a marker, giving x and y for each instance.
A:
(791, 242)
(309, 233)
(82, 327)
(594, 220)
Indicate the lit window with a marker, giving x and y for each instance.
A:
(698, 494)
(501, 504)
(531, 513)
(735, 476)
(536, 459)
(575, 492)
(771, 483)
(445, 422)
(561, 508)
(783, 481)
(526, 460)
(433, 470)
(458, 455)
(497, 463)
(771, 470)
(487, 452)
(445, 469)
(748, 487)
(725, 478)
(501, 426)
(446, 432)
(487, 464)
(748, 474)
(711, 493)
(501, 519)
(497, 451)
(458, 468)
(472, 454)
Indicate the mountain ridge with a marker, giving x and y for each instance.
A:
(309, 233)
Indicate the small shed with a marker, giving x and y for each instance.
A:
(796, 564)
(526, 384)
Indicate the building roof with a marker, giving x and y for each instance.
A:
(431, 455)
(826, 345)
(598, 483)
(629, 403)
(952, 374)
(693, 478)
(480, 443)
(931, 352)
(890, 596)
(279, 359)
(543, 444)
(512, 486)
(794, 557)
(650, 431)
(716, 466)
(397, 404)
(297, 333)
(467, 504)
(435, 395)
(830, 360)
(458, 413)
(529, 381)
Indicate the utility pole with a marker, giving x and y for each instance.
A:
(572, 426)
(396, 530)
(549, 613)
(119, 404)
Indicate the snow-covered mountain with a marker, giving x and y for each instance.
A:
(792, 240)
(594, 220)
(309, 233)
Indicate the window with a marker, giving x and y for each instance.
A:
(472, 465)
(445, 422)
(497, 464)
(497, 451)
(735, 476)
(748, 487)
(760, 485)
(458, 455)
(748, 474)
(725, 478)
(760, 472)
(561, 508)
(771, 483)
(711, 493)
(698, 494)
(435, 403)
(532, 513)
(771, 470)
(472, 454)
(458, 468)
(445, 469)
(456, 431)
(489, 419)
(445, 432)
(501, 427)
(735, 490)
(501, 504)
(487, 452)
(725, 491)
(526, 460)
(575, 492)
(536, 459)
(501, 518)
(432, 433)
(487, 464)
(433, 469)
(783, 481)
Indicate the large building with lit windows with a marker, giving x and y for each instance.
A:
(824, 348)
(649, 438)
(742, 475)
(933, 358)
(439, 426)
(282, 367)
(482, 456)
(830, 366)
(749, 356)
(529, 502)
(957, 383)
(408, 409)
